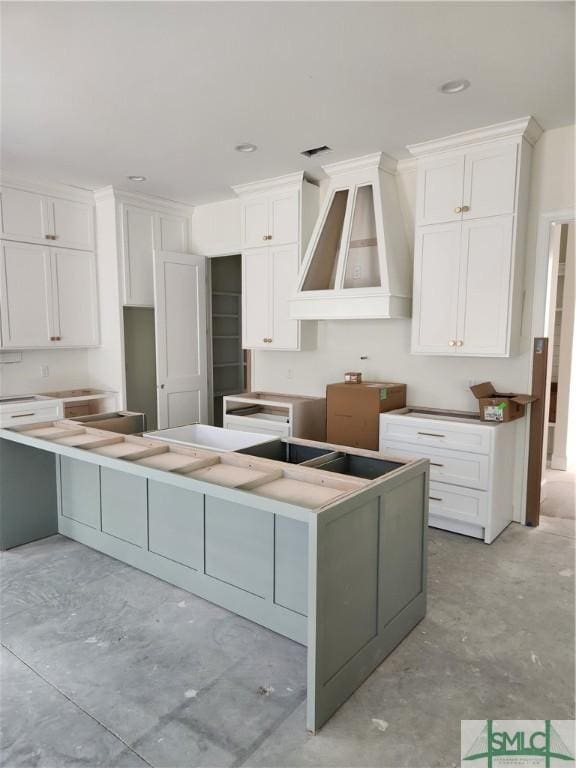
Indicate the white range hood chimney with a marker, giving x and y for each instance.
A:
(357, 263)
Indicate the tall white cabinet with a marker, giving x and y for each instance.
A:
(277, 218)
(470, 239)
(48, 281)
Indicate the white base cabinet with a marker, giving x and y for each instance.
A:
(471, 468)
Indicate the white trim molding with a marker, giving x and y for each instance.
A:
(525, 127)
(269, 185)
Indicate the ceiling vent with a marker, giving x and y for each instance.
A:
(357, 264)
(316, 151)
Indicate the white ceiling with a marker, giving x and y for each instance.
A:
(93, 92)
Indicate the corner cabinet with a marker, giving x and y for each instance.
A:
(470, 241)
(47, 297)
(278, 216)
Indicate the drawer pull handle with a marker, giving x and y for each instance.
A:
(431, 434)
(435, 464)
(21, 415)
(435, 498)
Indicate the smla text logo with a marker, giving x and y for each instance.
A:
(518, 743)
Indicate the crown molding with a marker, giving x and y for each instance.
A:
(407, 165)
(148, 201)
(269, 185)
(52, 188)
(377, 160)
(525, 127)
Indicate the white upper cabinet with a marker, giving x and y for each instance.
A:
(277, 220)
(48, 297)
(138, 228)
(72, 223)
(75, 298)
(145, 230)
(33, 217)
(469, 268)
(440, 189)
(271, 218)
(26, 296)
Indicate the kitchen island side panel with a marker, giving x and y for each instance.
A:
(368, 553)
(28, 497)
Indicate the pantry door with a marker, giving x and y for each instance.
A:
(180, 319)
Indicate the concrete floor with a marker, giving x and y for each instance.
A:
(105, 666)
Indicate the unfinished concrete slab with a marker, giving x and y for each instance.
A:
(114, 667)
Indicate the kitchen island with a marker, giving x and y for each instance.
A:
(323, 544)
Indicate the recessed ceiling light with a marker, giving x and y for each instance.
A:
(454, 86)
(246, 147)
(137, 178)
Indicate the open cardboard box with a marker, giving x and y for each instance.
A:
(497, 406)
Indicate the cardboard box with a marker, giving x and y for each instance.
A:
(353, 410)
(497, 406)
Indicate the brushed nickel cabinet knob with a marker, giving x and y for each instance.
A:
(458, 209)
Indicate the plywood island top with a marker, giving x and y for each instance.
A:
(310, 487)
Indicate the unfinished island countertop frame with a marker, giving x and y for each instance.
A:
(341, 570)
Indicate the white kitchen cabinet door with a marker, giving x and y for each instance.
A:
(25, 215)
(284, 217)
(282, 280)
(139, 231)
(75, 299)
(256, 298)
(26, 296)
(485, 282)
(255, 222)
(490, 181)
(436, 277)
(180, 322)
(72, 223)
(173, 233)
(440, 189)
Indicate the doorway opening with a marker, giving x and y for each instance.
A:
(230, 363)
(140, 363)
(559, 449)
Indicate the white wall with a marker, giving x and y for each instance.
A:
(66, 367)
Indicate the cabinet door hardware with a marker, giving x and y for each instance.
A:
(458, 209)
(435, 498)
(431, 434)
(465, 208)
(435, 464)
(451, 343)
(21, 415)
(264, 237)
(459, 343)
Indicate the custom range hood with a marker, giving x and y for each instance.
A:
(357, 263)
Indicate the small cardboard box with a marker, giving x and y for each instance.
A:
(498, 406)
(353, 410)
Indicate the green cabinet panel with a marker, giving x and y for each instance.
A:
(239, 544)
(125, 506)
(176, 524)
(350, 574)
(80, 491)
(291, 564)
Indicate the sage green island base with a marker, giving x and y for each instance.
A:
(346, 579)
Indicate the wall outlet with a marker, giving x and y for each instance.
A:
(289, 373)
(357, 272)
(44, 371)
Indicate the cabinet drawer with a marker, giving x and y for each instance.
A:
(31, 413)
(464, 505)
(260, 426)
(458, 467)
(441, 434)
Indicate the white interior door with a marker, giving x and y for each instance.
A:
(181, 358)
